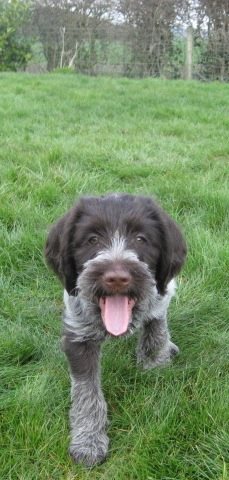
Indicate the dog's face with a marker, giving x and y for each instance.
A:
(112, 250)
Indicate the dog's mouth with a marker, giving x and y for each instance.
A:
(116, 312)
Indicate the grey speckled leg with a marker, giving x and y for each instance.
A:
(154, 346)
(88, 414)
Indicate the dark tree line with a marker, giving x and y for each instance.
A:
(130, 37)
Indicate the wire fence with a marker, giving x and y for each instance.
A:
(206, 60)
(121, 50)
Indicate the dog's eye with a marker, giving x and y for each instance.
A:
(93, 240)
(141, 239)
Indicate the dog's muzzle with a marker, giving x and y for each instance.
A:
(116, 287)
(116, 307)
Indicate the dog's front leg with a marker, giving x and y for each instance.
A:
(88, 414)
(155, 347)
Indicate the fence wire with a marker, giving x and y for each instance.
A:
(119, 50)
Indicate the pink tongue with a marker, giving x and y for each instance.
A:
(116, 313)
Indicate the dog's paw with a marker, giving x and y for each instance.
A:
(173, 350)
(159, 359)
(91, 451)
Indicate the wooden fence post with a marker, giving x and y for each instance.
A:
(188, 55)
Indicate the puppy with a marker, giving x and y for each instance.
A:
(116, 256)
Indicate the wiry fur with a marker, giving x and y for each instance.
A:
(98, 235)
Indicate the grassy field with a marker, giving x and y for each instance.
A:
(62, 136)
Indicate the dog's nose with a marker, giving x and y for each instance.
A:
(117, 279)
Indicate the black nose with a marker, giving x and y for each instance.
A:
(117, 279)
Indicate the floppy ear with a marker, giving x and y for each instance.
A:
(172, 254)
(59, 250)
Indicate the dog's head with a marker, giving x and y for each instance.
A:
(112, 249)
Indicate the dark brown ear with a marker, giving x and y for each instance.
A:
(59, 250)
(172, 254)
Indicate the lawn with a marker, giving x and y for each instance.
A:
(62, 136)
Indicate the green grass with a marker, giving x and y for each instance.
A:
(62, 136)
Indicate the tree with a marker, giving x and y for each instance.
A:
(151, 24)
(15, 50)
(213, 20)
(68, 30)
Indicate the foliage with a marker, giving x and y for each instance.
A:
(68, 135)
(64, 70)
(136, 38)
(15, 50)
(214, 59)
